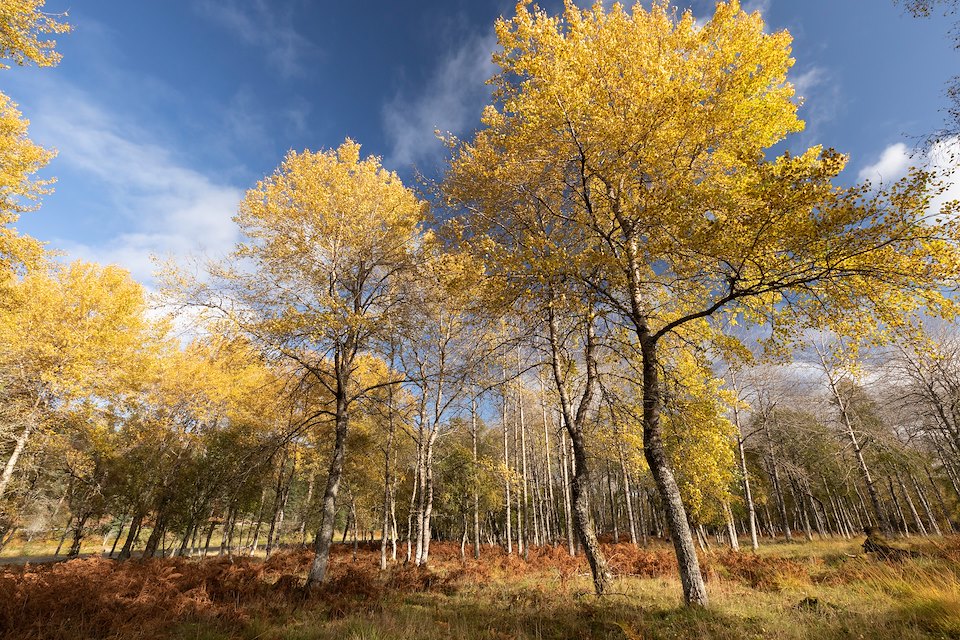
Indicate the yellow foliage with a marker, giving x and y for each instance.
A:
(629, 148)
(76, 331)
(327, 232)
(699, 439)
(19, 160)
(23, 24)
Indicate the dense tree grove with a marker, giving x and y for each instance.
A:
(618, 317)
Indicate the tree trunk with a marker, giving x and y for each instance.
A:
(117, 539)
(522, 426)
(694, 588)
(474, 427)
(613, 506)
(625, 478)
(940, 500)
(575, 427)
(913, 509)
(153, 542)
(854, 441)
(132, 534)
(567, 508)
(506, 465)
(428, 497)
(898, 512)
(15, 456)
(745, 482)
(552, 505)
(63, 536)
(318, 570)
(78, 535)
(387, 494)
(775, 476)
(934, 526)
(731, 528)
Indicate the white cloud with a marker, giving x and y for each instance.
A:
(818, 93)
(451, 102)
(262, 24)
(941, 158)
(892, 165)
(806, 82)
(165, 208)
(763, 6)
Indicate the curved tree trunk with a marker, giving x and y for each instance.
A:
(574, 422)
(694, 588)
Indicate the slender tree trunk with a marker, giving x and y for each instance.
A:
(552, 505)
(428, 502)
(18, 448)
(625, 478)
(613, 506)
(209, 536)
(132, 534)
(745, 482)
(896, 508)
(801, 507)
(324, 539)
(393, 522)
(153, 542)
(854, 441)
(305, 510)
(731, 528)
(387, 482)
(567, 508)
(913, 509)
(414, 501)
(940, 500)
(522, 426)
(117, 539)
(256, 528)
(575, 428)
(775, 476)
(506, 464)
(78, 535)
(63, 536)
(474, 428)
(934, 526)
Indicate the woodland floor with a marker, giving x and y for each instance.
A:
(823, 589)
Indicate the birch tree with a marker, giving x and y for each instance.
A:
(644, 136)
(314, 282)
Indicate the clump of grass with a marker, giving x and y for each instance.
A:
(927, 595)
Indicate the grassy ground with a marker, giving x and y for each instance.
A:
(817, 590)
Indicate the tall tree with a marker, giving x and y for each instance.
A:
(314, 282)
(74, 335)
(643, 135)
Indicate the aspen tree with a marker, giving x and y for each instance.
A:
(640, 138)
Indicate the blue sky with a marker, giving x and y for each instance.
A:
(163, 113)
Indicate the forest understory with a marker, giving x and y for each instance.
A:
(823, 589)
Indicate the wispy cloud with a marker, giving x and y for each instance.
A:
(896, 159)
(451, 102)
(763, 6)
(168, 209)
(819, 94)
(890, 166)
(264, 25)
